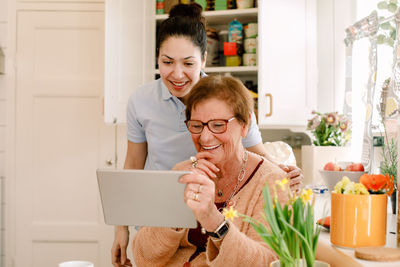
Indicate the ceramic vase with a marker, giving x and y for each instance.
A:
(393, 201)
(314, 158)
(358, 220)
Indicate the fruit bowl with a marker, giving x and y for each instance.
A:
(331, 178)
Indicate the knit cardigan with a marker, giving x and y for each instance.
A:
(241, 246)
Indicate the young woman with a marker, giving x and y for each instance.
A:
(157, 135)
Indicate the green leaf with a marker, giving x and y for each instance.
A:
(392, 7)
(393, 34)
(382, 5)
(381, 39)
(307, 245)
(385, 26)
(389, 42)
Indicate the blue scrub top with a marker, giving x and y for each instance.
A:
(157, 117)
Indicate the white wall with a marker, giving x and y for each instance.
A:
(3, 44)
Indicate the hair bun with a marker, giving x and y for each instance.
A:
(192, 10)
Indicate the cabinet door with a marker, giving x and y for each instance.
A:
(129, 64)
(287, 62)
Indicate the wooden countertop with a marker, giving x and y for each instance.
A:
(352, 260)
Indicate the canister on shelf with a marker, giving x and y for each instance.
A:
(160, 7)
(244, 4)
(223, 37)
(212, 47)
(230, 49)
(221, 5)
(233, 61)
(231, 4)
(250, 30)
(250, 45)
(235, 32)
(249, 59)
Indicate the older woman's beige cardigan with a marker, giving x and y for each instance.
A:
(240, 247)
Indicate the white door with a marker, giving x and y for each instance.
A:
(60, 138)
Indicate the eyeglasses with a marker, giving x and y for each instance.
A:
(215, 126)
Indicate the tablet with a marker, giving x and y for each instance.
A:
(144, 198)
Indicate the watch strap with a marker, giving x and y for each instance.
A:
(221, 230)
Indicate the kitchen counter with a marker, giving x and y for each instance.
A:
(390, 242)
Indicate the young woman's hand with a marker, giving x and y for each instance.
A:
(118, 250)
(295, 176)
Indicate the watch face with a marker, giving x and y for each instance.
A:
(223, 230)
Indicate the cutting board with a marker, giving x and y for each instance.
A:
(377, 253)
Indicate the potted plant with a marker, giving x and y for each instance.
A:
(330, 131)
(292, 233)
(389, 165)
(358, 211)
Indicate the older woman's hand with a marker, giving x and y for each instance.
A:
(199, 162)
(295, 175)
(199, 195)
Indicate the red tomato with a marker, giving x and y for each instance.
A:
(326, 222)
(330, 166)
(355, 167)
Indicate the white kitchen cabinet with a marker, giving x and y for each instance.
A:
(287, 74)
(286, 71)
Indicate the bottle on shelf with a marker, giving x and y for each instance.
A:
(160, 7)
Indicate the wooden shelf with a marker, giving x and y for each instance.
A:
(233, 70)
(240, 70)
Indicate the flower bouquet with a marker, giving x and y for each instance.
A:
(329, 129)
(358, 211)
(292, 233)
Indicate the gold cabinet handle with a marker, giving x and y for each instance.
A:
(269, 114)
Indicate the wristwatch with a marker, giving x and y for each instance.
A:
(221, 231)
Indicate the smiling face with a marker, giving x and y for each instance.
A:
(180, 64)
(223, 146)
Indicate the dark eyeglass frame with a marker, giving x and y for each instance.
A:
(187, 122)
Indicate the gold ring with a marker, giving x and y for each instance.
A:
(196, 197)
(194, 161)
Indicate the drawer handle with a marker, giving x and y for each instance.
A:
(269, 114)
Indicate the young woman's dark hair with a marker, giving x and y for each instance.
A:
(186, 21)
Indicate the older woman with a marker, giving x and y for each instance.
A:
(218, 117)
